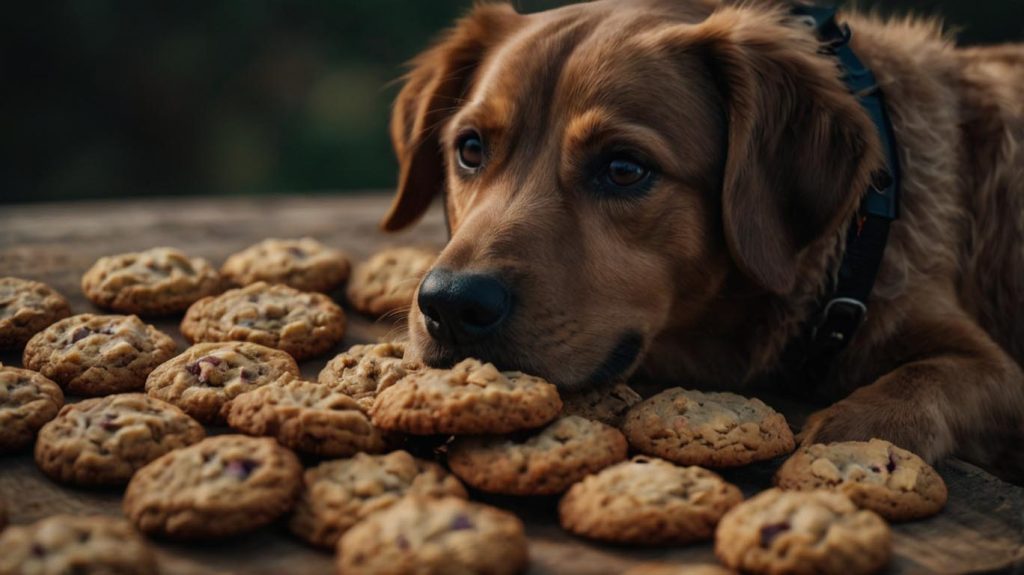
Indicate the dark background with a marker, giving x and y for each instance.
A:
(103, 98)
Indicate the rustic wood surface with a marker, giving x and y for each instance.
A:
(981, 530)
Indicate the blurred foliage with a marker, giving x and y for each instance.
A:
(104, 98)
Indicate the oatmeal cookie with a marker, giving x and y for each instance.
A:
(207, 375)
(301, 323)
(427, 536)
(65, 544)
(340, 493)
(27, 401)
(875, 475)
(304, 264)
(98, 354)
(308, 417)
(388, 280)
(544, 462)
(802, 532)
(608, 405)
(104, 440)
(364, 371)
(648, 501)
(158, 281)
(26, 308)
(221, 486)
(471, 398)
(711, 429)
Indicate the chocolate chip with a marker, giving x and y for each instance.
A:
(297, 251)
(461, 522)
(891, 466)
(402, 543)
(193, 368)
(38, 550)
(108, 422)
(210, 359)
(242, 468)
(80, 334)
(244, 374)
(875, 468)
(770, 532)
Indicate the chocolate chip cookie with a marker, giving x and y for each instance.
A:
(27, 401)
(207, 375)
(157, 281)
(608, 405)
(648, 501)
(103, 441)
(68, 544)
(544, 462)
(471, 398)
(26, 308)
(875, 475)
(388, 281)
(711, 429)
(98, 354)
(218, 487)
(364, 371)
(304, 264)
(340, 493)
(303, 324)
(308, 417)
(426, 536)
(802, 532)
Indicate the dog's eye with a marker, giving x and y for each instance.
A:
(625, 172)
(470, 150)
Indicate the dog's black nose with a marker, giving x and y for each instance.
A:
(461, 307)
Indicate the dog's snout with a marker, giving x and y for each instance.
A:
(462, 307)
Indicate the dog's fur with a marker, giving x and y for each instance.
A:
(762, 157)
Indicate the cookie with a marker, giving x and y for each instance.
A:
(303, 324)
(875, 475)
(98, 354)
(608, 405)
(426, 536)
(364, 371)
(104, 440)
(711, 429)
(647, 501)
(802, 532)
(388, 281)
(340, 493)
(688, 569)
(307, 417)
(544, 462)
(206, 376)
(470, 398)
(27, 401)
(221, 486)
(26, 308)
(158, 281)
(68, 544)
(304, 264)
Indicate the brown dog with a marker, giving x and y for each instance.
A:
(665, 186)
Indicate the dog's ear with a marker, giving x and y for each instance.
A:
(440, 78)
(800, 149)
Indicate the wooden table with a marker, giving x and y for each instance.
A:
(981, 530)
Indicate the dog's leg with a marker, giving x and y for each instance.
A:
(956, 392)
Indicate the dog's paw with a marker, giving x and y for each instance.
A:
(906, 426)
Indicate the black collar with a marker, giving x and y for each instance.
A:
(845, 304)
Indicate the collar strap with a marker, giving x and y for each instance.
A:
(845, 304)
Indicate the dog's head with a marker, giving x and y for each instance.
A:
(611, 170)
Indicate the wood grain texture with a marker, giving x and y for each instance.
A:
(981, 530)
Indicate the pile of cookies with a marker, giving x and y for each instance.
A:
(333, 458)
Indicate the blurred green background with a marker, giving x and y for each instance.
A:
(104, 98)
